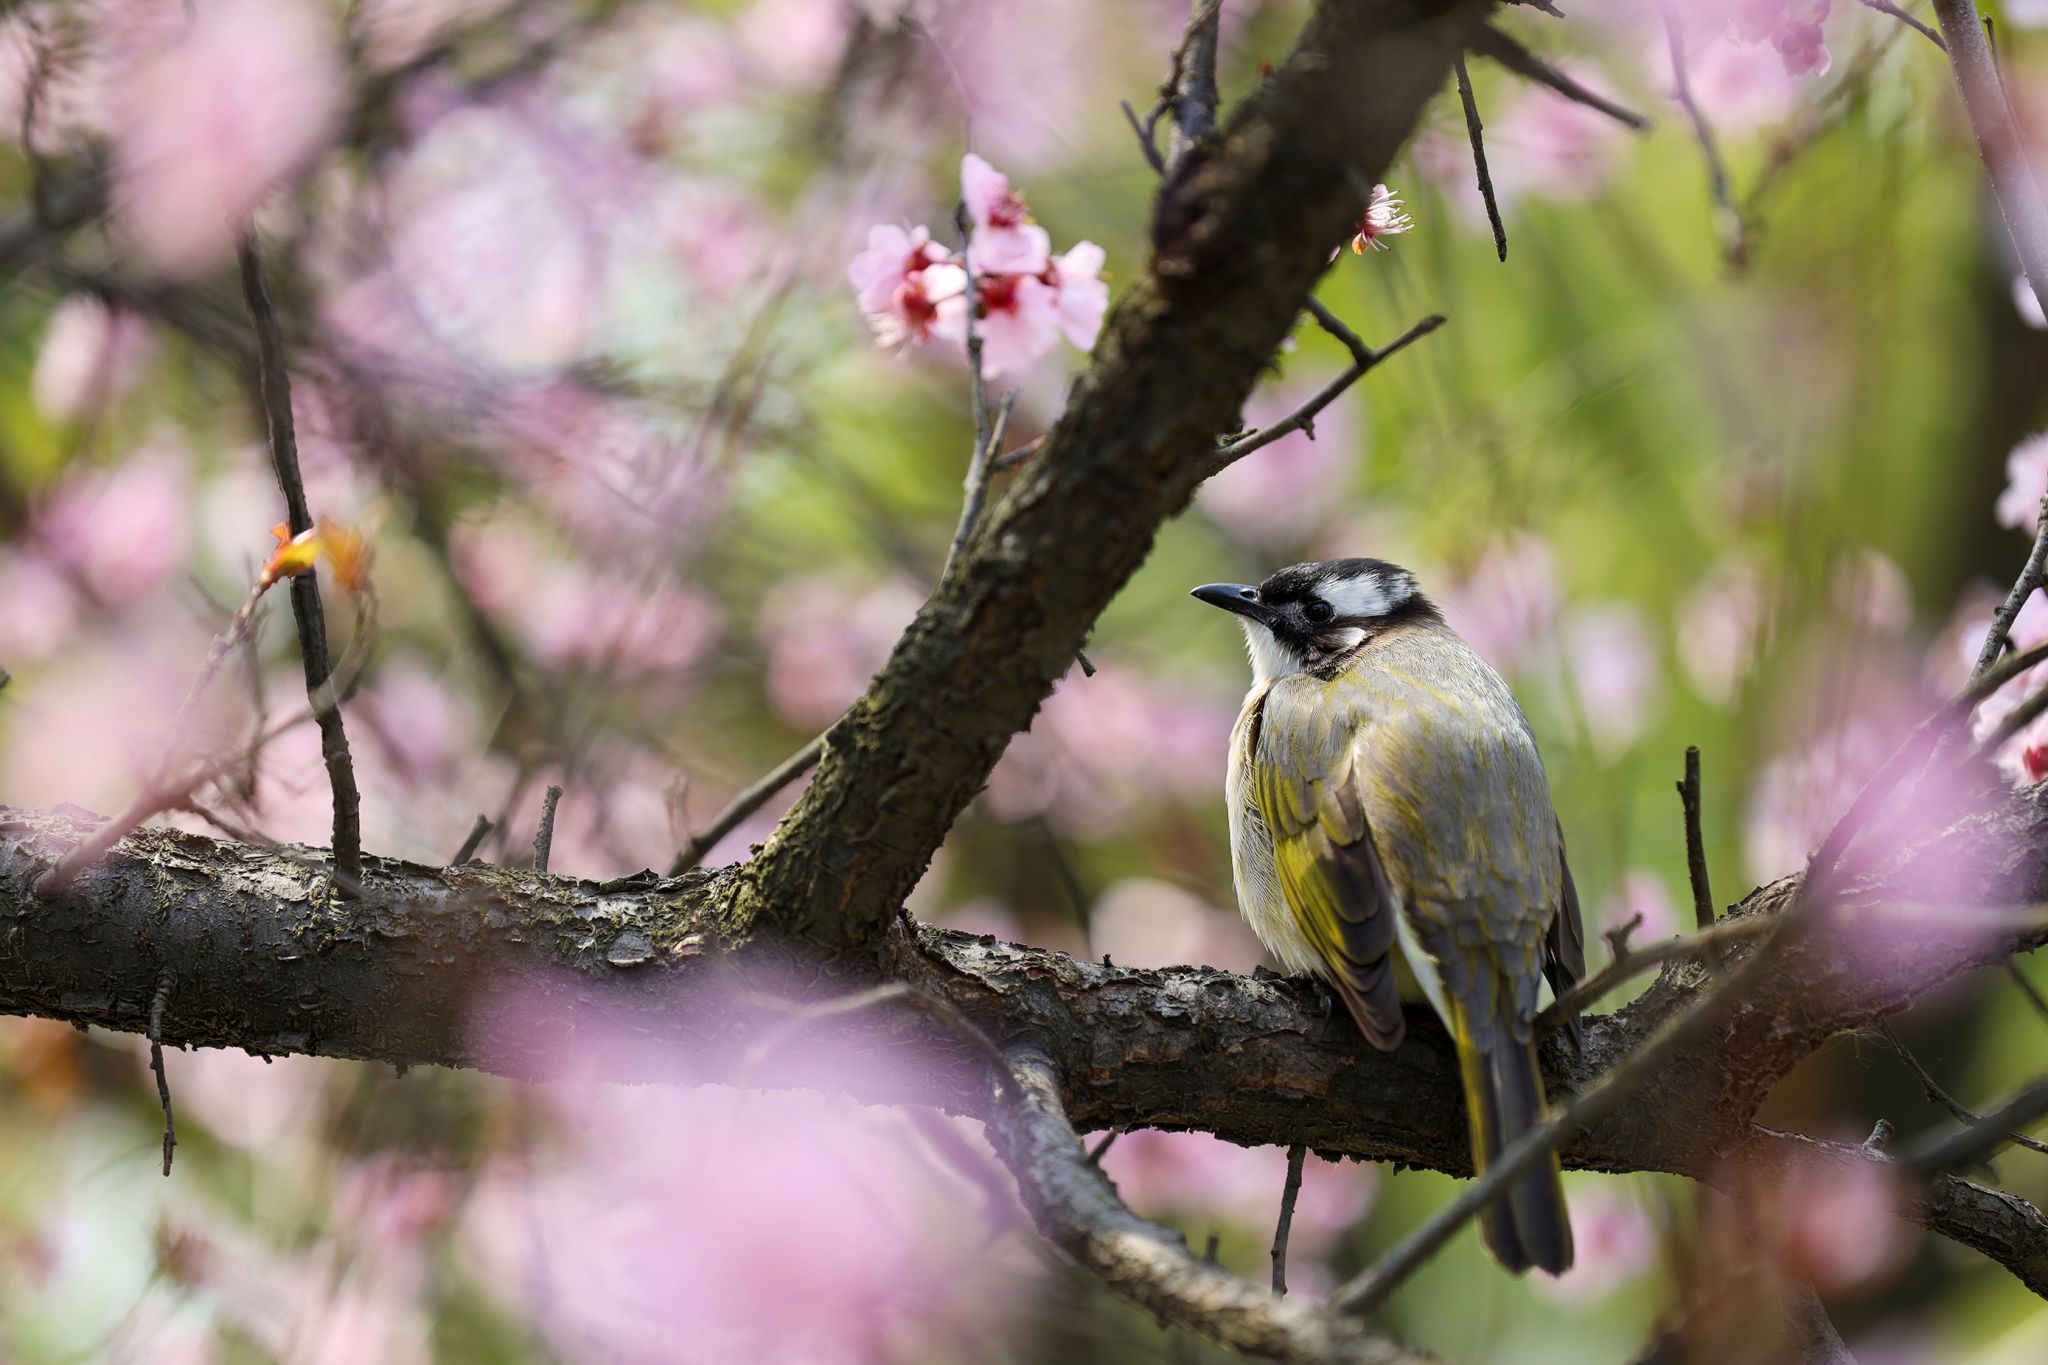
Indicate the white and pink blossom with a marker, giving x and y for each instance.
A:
(1384, 217)
(1005, 240)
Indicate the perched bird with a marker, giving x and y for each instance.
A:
(1392, 835)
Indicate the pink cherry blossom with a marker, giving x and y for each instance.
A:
(2026, 474)
(1740, 86)
(1615, 1243)
(826, 638)
(121, 531)
(1615, 672)
(1018, 321)
(92, 354)
(1834, 1224)
(1198, 1175)
(902, 281)
(1508, 605)
(1384, 217)
(1723, 626)
(42, 608)
(206, 126)
(2024, 757)
(1004, 241)
(1870, 592)
(1798, 796)
(1076, 278)
(1549, 148)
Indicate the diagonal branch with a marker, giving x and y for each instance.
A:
(1077, 1209)
(1493, 43)
(1998, 138)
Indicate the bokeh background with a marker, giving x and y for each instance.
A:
(575, 344)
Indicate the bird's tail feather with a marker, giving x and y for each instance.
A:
(1528, 1225)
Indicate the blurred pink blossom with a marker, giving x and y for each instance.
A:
(1280, 496)
(1722, 627)
(42, 609)
(826, 638)
(207, 125)
(92, 354)
(120, 531)
(1143, 922)
(1550, 148)
(1019, 70)
(1508, 605)
(1104, 749)
(252, 1102)
(752, 1224)
(1798, 796)
(395, 32)
(2026, 474)
(1615, 672)
(1871, 593)
(1836, 1225)
(1162, 1174)
(1005, 240)
(429, 727)
(1615, 1243)
(1082, 295)
(1740, 86)
(795, 42)
(617, 625)
(1640, 892)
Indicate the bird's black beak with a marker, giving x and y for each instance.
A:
(1241, 598)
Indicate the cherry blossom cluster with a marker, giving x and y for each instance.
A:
(1793, 27)
(1025, 298)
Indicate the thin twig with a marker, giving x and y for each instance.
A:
(274, 386)
(1297, 1155)
(1695, 841)
(544, 837)
(1734, 230)
(1491, 42)
(1629, 962)
(1366, 1290)
(1147, 144)
(975, 485)
(1998, 139)
(1101, 1149)
(1475, 130)
(1953, 1151)
(1303, 416)
(5, 678)
(478, 832)
(157, 1006)
(2008, 611)
(2027, 988)
(1887, 7)
(1956, 1108)
(746, 803)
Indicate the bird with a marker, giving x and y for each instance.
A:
(1392, 835)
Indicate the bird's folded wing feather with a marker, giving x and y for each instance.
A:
(1303, 779)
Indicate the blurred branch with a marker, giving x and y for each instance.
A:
(1727, 215)
(1998, 138)
(1192, 90)
(1956, 1108)
(1077, 1209)
(1981, 1137)
(1631, 962)
(1491, 42)
(274, 389)
(1887, 7)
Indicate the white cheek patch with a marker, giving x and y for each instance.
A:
(1270, 658)
(1345, 638)
(1367, 596)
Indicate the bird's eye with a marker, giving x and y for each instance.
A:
(1319, 613)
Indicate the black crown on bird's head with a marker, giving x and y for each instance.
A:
(1307, 615)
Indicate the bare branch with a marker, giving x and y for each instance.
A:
(1193, 92)
(1956, 1108)
(2031, 574)
(473, 841)
(159, 1002)
(1475, 130)
(1978, 1140)
(746, 803)
(1695, 841)
(1491, 42)
(1631, 962)
(544, 837)
(1303, 417)
(1297, 1156)
(274, 386)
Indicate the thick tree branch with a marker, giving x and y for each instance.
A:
(1998, 138)
(1243, 228)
